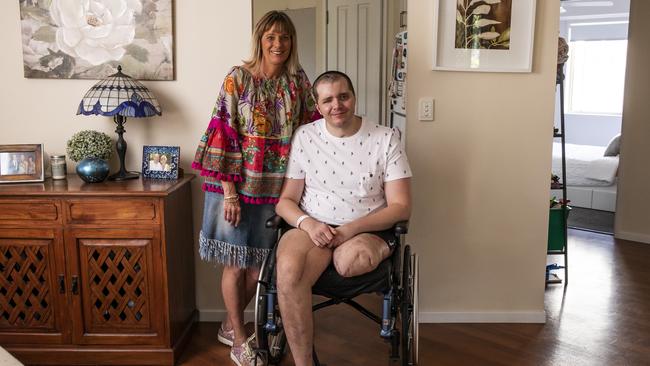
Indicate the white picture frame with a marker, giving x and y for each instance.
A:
(516, 53)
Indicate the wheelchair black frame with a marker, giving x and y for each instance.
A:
(392, 297)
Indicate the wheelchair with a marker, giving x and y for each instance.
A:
(396, 279)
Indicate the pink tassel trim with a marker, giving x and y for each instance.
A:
(247, 199)
(217, 175)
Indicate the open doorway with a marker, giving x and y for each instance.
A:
(596, 32)
(356, 37)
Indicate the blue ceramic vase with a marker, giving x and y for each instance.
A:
(92, 170)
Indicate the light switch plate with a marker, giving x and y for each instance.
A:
(425, 109)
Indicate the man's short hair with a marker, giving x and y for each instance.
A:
(330, 77)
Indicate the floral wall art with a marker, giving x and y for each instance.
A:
(483, 24)
(88, 39)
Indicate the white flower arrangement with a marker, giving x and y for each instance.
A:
(89, 144)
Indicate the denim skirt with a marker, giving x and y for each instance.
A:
(243, 246)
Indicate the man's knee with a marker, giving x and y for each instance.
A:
(289, 265)
(355, 262)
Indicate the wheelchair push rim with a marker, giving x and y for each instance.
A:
(409, 309)
(273, 345)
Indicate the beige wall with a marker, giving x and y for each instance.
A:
(632, 217)
(481, 168)
(481, 177)
(208, 40)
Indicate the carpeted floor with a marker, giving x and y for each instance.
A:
(595, 220)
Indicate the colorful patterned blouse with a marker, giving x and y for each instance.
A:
(249, 136)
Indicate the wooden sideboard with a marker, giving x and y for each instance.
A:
(99, 274)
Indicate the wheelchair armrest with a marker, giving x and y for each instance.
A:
(401, 227)
(276, 222)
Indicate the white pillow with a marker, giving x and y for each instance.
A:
(614, 146)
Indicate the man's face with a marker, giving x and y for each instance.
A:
(336, 103)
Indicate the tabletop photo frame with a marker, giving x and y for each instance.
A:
(483, 35)
(21, 163)
(160, 162)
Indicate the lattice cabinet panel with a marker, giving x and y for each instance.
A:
(117, 284)
(25, 285)
(116, 288)
(32, 286)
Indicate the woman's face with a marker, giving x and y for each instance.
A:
(276, 47)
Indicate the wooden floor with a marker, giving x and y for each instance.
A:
(603, 318)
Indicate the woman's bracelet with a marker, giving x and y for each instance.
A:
(301, 219)
(233, 197)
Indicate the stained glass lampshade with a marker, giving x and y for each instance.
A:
(120, 96)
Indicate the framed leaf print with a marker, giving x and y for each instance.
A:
(484, 35)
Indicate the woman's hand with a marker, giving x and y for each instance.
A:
(321, 234)
(231, 207)
(232, 212)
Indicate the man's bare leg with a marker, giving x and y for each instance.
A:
(299, 264)
(360, 255)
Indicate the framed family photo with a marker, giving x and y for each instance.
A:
(483, 35)
(160, 162)
(21, 163)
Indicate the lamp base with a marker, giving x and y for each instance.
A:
(124, 176)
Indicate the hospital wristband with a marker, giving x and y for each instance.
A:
(301, 219)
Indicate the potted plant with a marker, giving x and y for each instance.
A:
(91, 150)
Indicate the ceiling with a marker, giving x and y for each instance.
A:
(573, 8)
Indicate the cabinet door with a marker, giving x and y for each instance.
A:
(117, 286)
(32, 287)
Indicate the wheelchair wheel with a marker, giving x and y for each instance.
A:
(273, 341)
(409, 309)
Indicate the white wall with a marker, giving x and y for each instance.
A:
(210, 37)
(481, 174)
(633, 205)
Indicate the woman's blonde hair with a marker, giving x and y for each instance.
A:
(284, 24)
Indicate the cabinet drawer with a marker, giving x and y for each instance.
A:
(15, 211)
(116, 210)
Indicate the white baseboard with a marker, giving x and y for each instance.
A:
(641, 238)
(217, 315)
(483, 317)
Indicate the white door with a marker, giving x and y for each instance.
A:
(354, 34)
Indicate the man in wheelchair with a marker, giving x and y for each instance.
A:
(347, 183)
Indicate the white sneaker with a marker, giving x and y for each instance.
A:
(244, 355)
(226, 337)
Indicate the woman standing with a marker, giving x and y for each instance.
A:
(243, 156)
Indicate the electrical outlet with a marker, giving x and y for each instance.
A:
(425, 109)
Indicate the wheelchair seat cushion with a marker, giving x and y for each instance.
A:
(332, 284)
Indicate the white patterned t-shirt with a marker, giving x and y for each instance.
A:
(344, 176)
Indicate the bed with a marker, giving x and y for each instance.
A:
(591, 176)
